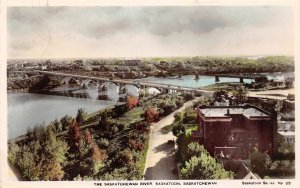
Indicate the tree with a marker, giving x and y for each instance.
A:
(178, 116)
(81, 115)
(204, 167)
(13, 150)
(74, 136)
(178, 129)
(42, 159)
(88, 137)
(66, 121)
(98, 156)
(57, 125)
(200, 165)
(260, 162)
(195, 149)
(124, 158)
(131, 102)
(151, 115)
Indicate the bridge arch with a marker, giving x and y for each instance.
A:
(105, 84)
(125, 86)
(67, 80)
(85, 83)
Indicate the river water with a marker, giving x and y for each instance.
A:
(28, 110)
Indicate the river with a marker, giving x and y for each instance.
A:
(26, 110)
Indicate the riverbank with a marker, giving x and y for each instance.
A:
(120, 134)
(38, 109)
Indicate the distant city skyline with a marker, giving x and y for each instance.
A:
(92, 32)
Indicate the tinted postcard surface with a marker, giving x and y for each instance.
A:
(162, 94)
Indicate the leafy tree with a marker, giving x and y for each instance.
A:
(65, 122)
(151, 115)
(124, 158)
(131, 102)
(42, 160)
(88, 137)
(57, 125)
(13, 150)
(97, 156)
(178, 116)
(39, 132)
(195, 149)
(168, 106)
(74, 136)
(178, 129)
(81, 115)
(260, 162)
(204, 167)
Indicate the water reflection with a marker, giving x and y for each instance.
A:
(113, 92)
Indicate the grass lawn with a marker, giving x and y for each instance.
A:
(218, 86)
(132, 116)
(190, 128)
(142, 161)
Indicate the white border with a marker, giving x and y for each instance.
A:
(3, 100)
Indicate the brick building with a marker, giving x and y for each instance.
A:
(233, 131)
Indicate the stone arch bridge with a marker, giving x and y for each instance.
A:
(102, 83)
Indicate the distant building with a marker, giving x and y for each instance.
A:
(241, 169)
(234, 130)
(287, 137)
(286, 132)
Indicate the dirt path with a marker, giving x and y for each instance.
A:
(160, 158)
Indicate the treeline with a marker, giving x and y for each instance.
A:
(108, 145)
(216, 65)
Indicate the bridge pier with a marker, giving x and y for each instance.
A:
(121, 89)
(164, 91)
(217, 79)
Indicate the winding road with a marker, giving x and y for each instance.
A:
(161, 155)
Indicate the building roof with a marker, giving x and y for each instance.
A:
(286, 125)
(222, 111)
(286, 133)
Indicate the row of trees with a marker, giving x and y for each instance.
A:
(226, 64)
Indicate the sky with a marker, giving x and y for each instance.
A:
(91, 32)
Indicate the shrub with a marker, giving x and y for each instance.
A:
(136, 145)
(178, 116)
(178, 129)
(151, 115)
(81, 115)
(65, 122)
(260, 162)
(131, 102)
(124, 158)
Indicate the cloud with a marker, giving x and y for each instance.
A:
(148, 31)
